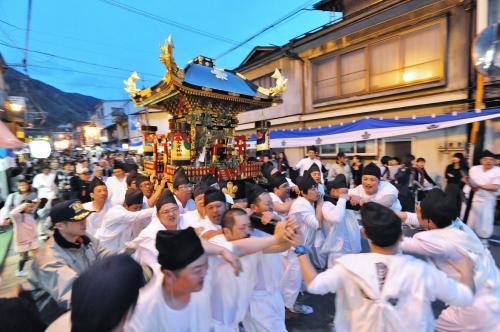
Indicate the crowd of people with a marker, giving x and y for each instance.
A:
(126, 252)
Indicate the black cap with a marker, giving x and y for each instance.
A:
(165, 198)
(340, 154)
(312, 148)
(209, 179)
(103, 294)
(277, 180)
(382, 226)
(339, 182)
(134, 196)
(439, 207)
(96, 182)
(180, 178)
(71, 210)
(214, 195)
(253, 191)
(486, 153)
(314, 168)
(200, 188)
(372, 169)
(118, 165)
(306, 182)
(267, 169)
(177, 249)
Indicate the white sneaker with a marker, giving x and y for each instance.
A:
(21, 274)
(302, 309)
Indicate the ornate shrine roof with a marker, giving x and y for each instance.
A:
(202, 78)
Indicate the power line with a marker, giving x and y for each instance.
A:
(269, 27)
(72, 59)
(72, 71)
(170, 22)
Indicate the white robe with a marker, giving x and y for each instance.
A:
(193, 219)
(442, 245)
(403, 303)
(120, 226)
(153, 314)
(231, 294)
(482, 213)
(304, 165)
(342, 231)
(384, 189)
(276, 199)
(94, 220)
(116, 190)
(190, 205)
(266, 312)
(305, 215)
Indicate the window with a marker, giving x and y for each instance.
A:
(362, 148)
(325, 79)
(352, 72)
(412, 57)
(264, 81)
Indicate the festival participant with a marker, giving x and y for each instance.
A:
(67, 254)
(309, 219)
(132, 181)
(267, 308)
(340, 166)
(25, 232)
(315, 173)
(99, 205)
(342, 233)
(215, 206)
(485, 182)
(384, 290)
(178, 297)
(150, 197)
(117, 184)
(183, 191)
(422, 178)
(44, 183)
(304, 164)
(374, 190)
(445, 238)
(124, 222)
(195, 218)
(211, 182)
(280, 195)
(90, 310)
(98, 172)
(385, 172)
(268, 170)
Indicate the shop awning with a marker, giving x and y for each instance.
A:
(372, 128)
(7, 139)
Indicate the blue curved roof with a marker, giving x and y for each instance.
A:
(202, 76)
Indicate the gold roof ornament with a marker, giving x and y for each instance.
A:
(130, 86)
(280, 86)
(167, 58)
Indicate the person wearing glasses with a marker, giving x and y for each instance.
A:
(183, 191)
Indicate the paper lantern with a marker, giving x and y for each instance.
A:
(40, 149)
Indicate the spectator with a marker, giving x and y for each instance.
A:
(80, 186)
(23, 193)
(63, 181)
(44, 183)
(456, 176)
(357, 170)
(283, 165)
(384, 168)
(421, 177)
(340, 166)
(304, 164)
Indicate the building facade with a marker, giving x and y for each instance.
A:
(382, 59)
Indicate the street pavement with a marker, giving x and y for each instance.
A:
(320, 321)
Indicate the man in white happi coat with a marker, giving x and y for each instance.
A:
(309, 218)
(304, 164)
(280, 195)
(215, 206)
(195, 217)
(99, 204)
(122, 223)
(267, 308)
(484, 180)
(445, 239)
(150, 195)
(342, 232)
(384, 290)
(232, 298)
(183, 191)
(374, 190)
(117, 184)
